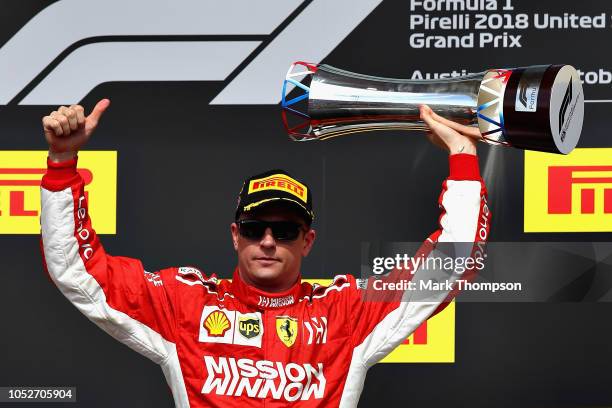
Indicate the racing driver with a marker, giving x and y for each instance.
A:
(265, 338)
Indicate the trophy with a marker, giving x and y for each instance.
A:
(533, 108)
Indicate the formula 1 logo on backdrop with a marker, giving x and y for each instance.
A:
(20, 176)
(569, 193)
(46, 63)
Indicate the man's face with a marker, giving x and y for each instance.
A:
(268, 263)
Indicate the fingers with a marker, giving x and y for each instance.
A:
(466, 130)
(427, 117)
(67, 120)
(71, 115)
(51, 124)
(80, 114)
(62, 120)
(97, 112)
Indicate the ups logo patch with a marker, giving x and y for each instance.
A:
(249, 327)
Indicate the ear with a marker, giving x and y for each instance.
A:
(235, 233)
(309, 239)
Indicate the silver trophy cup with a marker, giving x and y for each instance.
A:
(532, 108)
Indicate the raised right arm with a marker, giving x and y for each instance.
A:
(116, 293)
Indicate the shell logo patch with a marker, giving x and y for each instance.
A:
(217, 324)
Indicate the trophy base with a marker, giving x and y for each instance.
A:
(543, 108)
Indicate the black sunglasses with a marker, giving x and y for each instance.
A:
(281, 230)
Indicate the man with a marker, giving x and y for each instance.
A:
(265, 338)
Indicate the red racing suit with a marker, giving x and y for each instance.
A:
(224, 343)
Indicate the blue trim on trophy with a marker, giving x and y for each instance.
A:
(298, 84)
(489, 120)
(284, 102)
(502, 124)
(296, 99)
(486, 105)
(283, 96)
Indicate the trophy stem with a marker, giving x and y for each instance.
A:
(364, 103)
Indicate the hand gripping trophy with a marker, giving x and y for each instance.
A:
(532, 108)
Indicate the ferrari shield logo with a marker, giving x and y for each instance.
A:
(286, 329)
